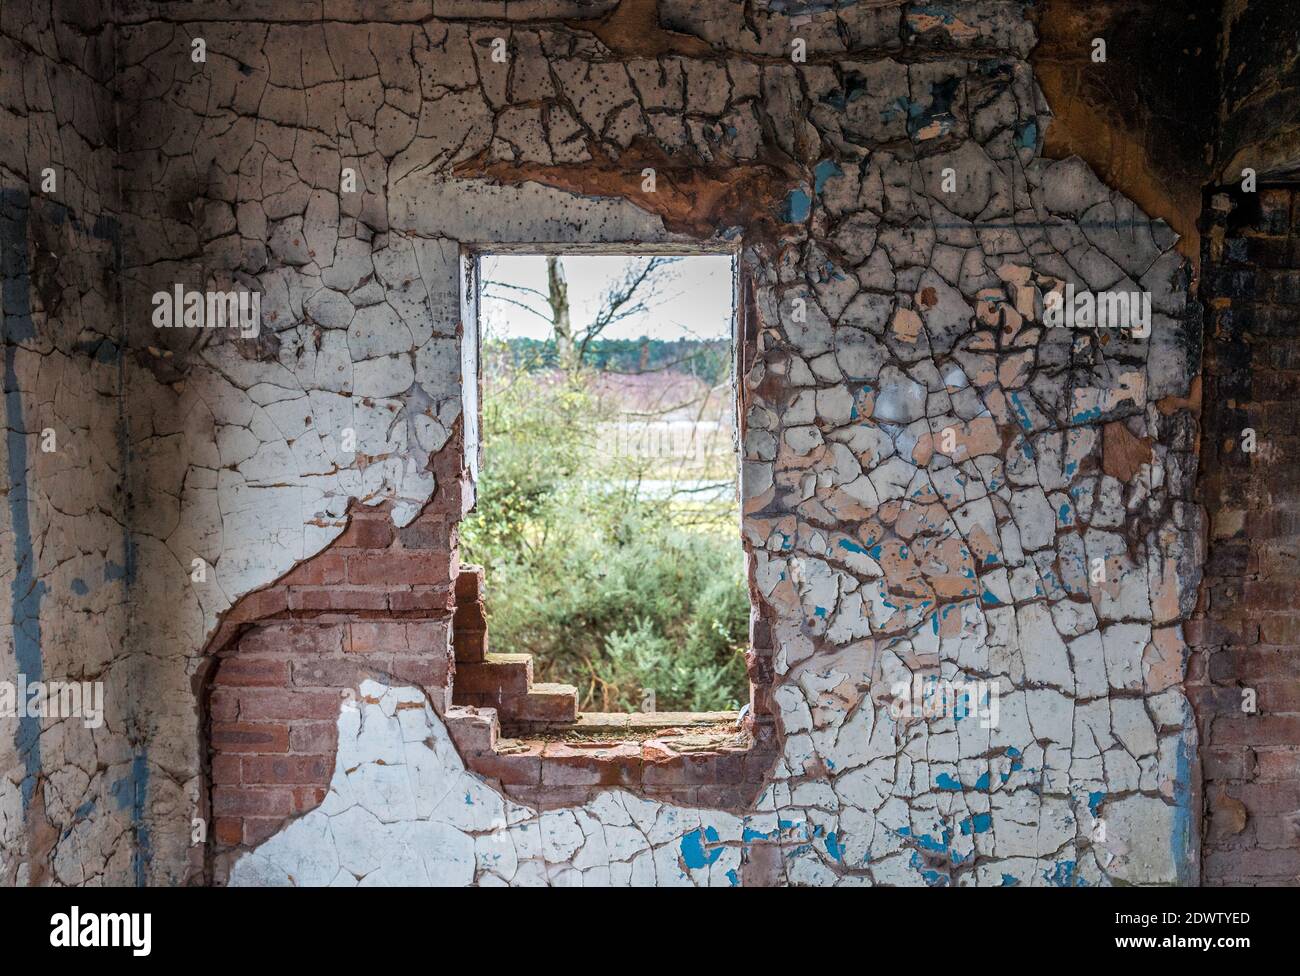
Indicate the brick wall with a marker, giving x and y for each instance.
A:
(377, 602)
(1246, 634)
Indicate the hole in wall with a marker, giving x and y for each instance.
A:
(607, 522)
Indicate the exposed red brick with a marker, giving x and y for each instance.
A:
(313, 737)
(258, 829)
(252, 801)
(259, 737)
(420, 598)
(497, 676)
(229, 830)
(290, 637)
(287, 770)
(367, 532)
(337, 598)
(260, 704)
(521, 768)
(226, 769)
(565, 765)
(324, 673)
(426, 532)
(252, 672)
(328, 567)
(397, 567)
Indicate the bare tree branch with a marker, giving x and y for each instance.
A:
(527, 308)
(633, 295)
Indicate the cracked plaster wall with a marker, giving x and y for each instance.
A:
(879, 554)
(71, 797)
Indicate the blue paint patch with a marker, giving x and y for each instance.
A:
(945, 782)
(938, 113)
(978, 824)
(1182, 840)
(932, 877)
(1027, 134)
(939, 845)
(1062, 875)
(1094, 802)
(823, 171)
(833, 847)
(835, 100)
(78, 815)
(79, 587)
(1009, 881)
(143, 854)
(694, 856)
(1022, 414)
(130, 793)
(26, 590)
(797, 206)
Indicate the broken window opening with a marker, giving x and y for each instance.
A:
(607, 520)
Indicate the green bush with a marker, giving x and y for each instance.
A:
(608, 592)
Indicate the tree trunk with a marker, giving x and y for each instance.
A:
(558, 299)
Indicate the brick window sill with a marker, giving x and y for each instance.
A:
(531, 740)
(617, 726)
(693, 763)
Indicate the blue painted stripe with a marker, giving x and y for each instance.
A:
(26, 590)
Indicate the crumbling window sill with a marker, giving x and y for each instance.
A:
(630, 726)
(696, 761)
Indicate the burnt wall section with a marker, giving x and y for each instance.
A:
(1246, 635)
(1259, 91)
(1141, 117)
(72, 784)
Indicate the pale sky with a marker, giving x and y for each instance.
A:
(693, 299)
